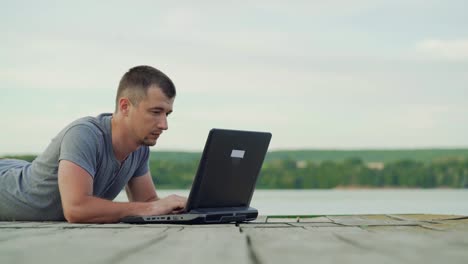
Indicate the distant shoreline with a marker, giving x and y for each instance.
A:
(344, 188)
(388, 188)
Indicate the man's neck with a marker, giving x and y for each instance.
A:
(121, 142)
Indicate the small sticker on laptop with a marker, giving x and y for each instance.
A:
(237, 153)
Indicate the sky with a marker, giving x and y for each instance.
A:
(357, 74)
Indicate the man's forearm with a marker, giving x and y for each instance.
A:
(131, 197)
(96, 210)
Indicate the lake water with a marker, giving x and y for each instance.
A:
(332, 202)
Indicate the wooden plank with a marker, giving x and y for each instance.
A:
(448, 225)
(196, 245)
(260, 219)
(283, 220)
(10, 234)
(354, 245)
(304, 221)
(314, 225)
(369, 220)
(126, 245)
(184, 226)
(97, 245)
(265, 225)
(334, 229)
(297, 219)
(425, 217)
(407, 246)
(296, 245)
(18, 224)
(321, 219)
(4, 223)
(350, 239)
(393, 228)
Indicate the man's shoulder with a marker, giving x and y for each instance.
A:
(90, 130)
(87, 135)
(98, 124)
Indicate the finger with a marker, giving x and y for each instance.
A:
(177, 211)
(181, 198)
(178, 205)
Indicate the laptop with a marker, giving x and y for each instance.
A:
(225, 181)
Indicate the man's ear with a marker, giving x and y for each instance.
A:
(124, 105)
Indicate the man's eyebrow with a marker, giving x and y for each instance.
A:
(159, 108)
(156, 108)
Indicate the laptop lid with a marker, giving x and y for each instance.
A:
(228, 169)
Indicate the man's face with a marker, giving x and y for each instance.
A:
(149, 118)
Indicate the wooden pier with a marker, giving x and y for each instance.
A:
(285, 240)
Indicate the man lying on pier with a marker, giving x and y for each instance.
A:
(92, 159)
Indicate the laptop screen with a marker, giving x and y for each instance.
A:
(228, 169)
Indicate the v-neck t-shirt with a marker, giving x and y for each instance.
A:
(29, 191)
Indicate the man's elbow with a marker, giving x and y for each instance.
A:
(73, 215)
(76, 212)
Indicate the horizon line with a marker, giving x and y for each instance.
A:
(283, 150)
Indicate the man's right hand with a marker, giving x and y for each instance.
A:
(168, 205)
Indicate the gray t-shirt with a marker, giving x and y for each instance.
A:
(29, 191)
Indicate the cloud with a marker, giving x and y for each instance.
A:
(444, 49)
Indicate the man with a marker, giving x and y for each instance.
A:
(90, 161)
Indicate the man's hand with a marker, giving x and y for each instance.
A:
(169, 205)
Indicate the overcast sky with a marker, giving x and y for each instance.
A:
(355, 74)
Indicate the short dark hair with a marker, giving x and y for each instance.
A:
(135, 83)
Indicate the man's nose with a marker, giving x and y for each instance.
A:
(162, 124)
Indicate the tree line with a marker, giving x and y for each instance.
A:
(353, 172)
(304, 174)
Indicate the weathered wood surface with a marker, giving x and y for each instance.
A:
(322, 239)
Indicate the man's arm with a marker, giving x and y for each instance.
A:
(80, 206)
(141, 189)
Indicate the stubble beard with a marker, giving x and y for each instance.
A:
(148, 142)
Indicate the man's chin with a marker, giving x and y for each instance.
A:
(149, 143)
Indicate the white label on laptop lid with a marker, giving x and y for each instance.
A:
(237, 153)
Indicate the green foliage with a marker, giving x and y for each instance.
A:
(343, 169)
(353, 172)
(170, 174)
(21, 157)
(424, 155)
(175, 156)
